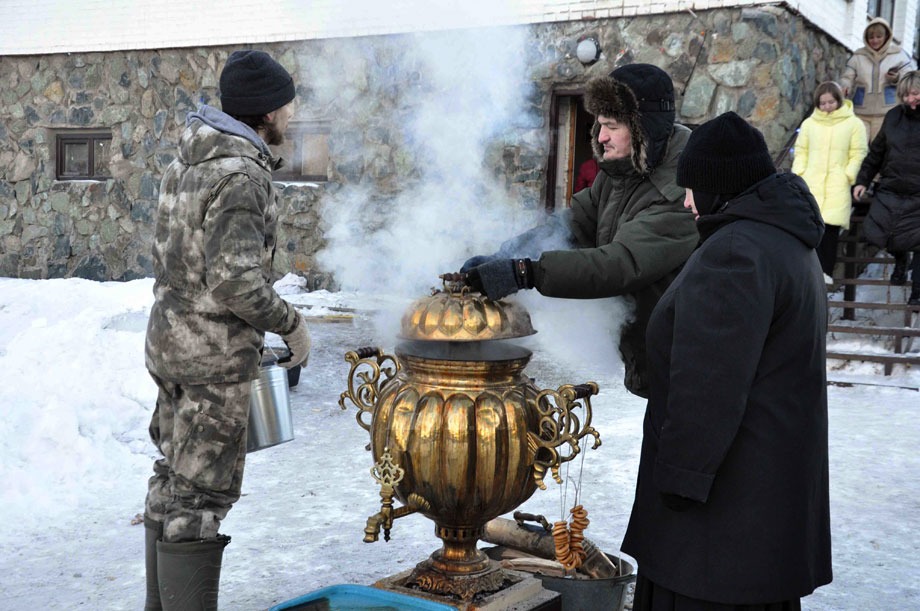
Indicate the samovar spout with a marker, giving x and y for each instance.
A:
(387, 514)
(388, 474)
(383, 518)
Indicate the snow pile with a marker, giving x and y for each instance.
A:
(291, 284)
(77, 398)
(75, 393)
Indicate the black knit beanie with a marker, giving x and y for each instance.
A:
(724, 155)
(253, 84)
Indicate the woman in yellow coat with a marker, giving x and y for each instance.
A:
(828, 152)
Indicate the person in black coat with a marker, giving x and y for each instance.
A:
(893, 222)
(731, 507)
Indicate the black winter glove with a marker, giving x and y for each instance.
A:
(675, 502)
(501, 277)
(476, 262)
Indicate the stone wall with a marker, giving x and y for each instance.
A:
(763, 63)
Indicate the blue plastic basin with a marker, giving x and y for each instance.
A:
(358, 598)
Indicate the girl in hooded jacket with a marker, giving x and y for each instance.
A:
(893, 221)
(871, 75)
(828, 152)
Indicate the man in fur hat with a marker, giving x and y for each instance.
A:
(629, 234)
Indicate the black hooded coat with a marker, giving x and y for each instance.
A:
(893, 222)
(737, 416)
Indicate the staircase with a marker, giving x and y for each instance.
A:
(901, 324)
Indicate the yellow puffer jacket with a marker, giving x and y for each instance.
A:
(828, 153)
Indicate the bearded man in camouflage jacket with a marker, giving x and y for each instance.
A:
(213, 249)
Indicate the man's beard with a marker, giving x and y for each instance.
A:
(273, 136)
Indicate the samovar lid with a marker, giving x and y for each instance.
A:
(462, 316)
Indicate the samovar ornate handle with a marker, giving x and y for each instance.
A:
(367, 364)
(558, 425)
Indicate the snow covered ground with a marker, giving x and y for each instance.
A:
(74, 459)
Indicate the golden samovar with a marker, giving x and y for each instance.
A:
(458, 432)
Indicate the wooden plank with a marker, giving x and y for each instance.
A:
(310, 306)
(865, 259)
(848, 384)
(869, 282)
(331, 318)
(894, 359)
(899, 331)
(570, 176)
(863, 305)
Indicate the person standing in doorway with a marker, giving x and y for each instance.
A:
(828, 151)
(587, 171)
(213, 250)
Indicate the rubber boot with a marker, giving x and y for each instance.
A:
(189, 573)
(153, 532)
(899, 275)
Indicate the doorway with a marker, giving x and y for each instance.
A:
(570, 147)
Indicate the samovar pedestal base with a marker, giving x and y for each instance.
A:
(522, 592)
(459, 567)
(431, 577)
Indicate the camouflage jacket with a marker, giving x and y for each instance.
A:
(212, 253)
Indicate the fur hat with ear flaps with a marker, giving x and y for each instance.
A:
(642, 97)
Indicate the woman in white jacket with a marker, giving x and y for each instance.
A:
(828, 152)
(871, 75)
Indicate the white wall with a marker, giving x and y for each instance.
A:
(53, 26)
(843, 20)
(905, 23)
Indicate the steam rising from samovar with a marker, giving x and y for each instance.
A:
(458, 432)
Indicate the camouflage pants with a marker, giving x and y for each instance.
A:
(201, 432)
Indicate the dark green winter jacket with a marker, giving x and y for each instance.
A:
(632, 235)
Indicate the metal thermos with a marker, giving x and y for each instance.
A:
(270, 420)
